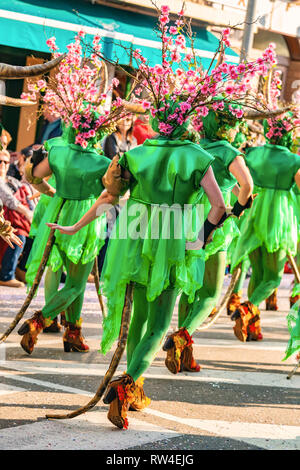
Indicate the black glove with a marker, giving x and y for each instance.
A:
(238, 208)
(38, 155)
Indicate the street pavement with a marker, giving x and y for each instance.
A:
(240, 400)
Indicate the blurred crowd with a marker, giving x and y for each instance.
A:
(19, 198)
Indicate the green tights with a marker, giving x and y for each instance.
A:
(70, 297)
(149, 324)
(192, 315)
(238, 288)
(267, 271)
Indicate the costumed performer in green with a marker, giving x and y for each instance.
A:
(78, 167)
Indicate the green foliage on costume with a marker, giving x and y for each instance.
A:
(223, 125)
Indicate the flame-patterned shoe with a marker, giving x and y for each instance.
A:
(293, 300)
(73, 339)
(55, 327)
(271, 302)
(31, 329)
(233, 303)
(188, 362)
(120, 395)
(247, 322)
(141, 401)
(174, 345)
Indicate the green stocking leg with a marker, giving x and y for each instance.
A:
(153, 318)
(267, 271)
(191, 316)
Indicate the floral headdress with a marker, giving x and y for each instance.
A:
(179, 89)
(279, 130)
(78, 92)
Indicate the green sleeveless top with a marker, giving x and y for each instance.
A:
(224, 154)
(272, 166)
(166, 171)
(78, 172)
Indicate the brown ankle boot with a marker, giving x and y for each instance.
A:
(30, 330)
(247, 322)
(233, 303)
(55, 327)
(73, 339)
(188, 362)
(140, 400)
(293, 300)
(174, 345)
(120, 395)
(271, 302)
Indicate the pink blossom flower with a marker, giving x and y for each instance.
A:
(173, 30)
(115, 82)
(165, 10)
(146, 104)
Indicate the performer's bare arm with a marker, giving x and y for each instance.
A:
(42, 170)
(103, 203)
(297, 178)
(215, 214)
(215, 197)
(236, 190)
(241, 172)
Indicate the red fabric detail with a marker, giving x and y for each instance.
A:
(185, 334)
(3, 248)
(142, 131)
(121, 393)
(125, 423)
(17, 220)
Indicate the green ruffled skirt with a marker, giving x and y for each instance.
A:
(82, 247)
(224, 236)
(144, 251)
(271, 222)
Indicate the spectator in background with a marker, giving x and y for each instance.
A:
(51, 127)
(122, 139)
(14, 196)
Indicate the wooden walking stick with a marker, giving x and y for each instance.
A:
(124, 328)
(95, 272)
(297, 277)
(36, 282)
(211, 320)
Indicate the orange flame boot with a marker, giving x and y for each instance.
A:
(271, 301)
(233, 303)
(174, 345)
(247, 322)
(293, 300)
(140, 401)
(188, 362)
(31, 329)
(120, 395)
(73, 339)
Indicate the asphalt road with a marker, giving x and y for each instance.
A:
(240, 400)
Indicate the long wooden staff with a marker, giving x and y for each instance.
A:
(234, 278)
(36, 282)
(97, 286)
(297, 277)
(125, 321)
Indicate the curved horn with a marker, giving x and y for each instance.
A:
(104, 78)
(6, 101)
(256, 115)
(11, 72)
(135, 108)
(267, 87)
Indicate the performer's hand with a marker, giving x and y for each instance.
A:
(71, 230)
